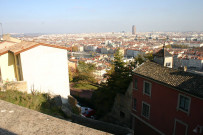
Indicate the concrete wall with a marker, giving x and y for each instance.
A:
(7, 67)
(46, 70)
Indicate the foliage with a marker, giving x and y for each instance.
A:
(118, 80)
(140, 58)
(180, 46)
(70, 74)
(85, 86)
(168, 46)
(74, 48)
(85, 73)
(37, 101)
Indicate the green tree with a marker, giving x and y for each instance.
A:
(74, 48)
(70, 74)
(85, 72)
(119, 78)
(140, 58)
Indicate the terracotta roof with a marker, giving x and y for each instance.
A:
(184, 81)
(24, 46)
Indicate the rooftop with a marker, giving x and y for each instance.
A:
(162, 53)
(184, 81)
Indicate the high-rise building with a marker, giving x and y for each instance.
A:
(133, 30)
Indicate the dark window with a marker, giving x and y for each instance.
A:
(134, 104)
(168, 64)
(135, 83)
(145, 110)
(147, 88)
(184, 103)
(122, 114)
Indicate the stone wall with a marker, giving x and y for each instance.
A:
(73, 104)
(16, 85)
(103, 126)
(121, 110)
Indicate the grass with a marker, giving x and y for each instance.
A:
(85, 86)
(39, 102)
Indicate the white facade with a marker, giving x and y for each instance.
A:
(80, 48)
(190, 63)
(46, 70)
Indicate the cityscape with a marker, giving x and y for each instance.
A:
(101, 67)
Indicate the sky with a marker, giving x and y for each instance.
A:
(92, 16)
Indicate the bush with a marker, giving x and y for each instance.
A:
(38, 101)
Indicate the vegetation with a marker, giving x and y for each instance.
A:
(70, 74)
(168, 46)
(119, 78)
(140, 58)
(84, 78)
(85, 86)
(74, 48)
(39, 102)
(180, 46)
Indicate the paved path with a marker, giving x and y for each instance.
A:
(19, 120)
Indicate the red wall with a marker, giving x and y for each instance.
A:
(163, 107)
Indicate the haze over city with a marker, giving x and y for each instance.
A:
(53, 16)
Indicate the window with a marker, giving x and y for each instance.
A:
(145, 110)
(168, 64)
(134, 103)
(184, 103)
(135, 83)
(122, 114)
(147, 88)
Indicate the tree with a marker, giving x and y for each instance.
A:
(85, 72)
(70, 74)
(140, 58)
(119, 78)
(74, 48)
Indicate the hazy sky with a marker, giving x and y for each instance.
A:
(84, 16)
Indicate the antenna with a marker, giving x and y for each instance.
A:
(1, 30)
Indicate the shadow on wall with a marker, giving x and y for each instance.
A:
(6, 132)
(10, 59)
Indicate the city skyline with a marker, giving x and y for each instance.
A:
(100, 16)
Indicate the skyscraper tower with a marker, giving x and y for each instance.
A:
(133, 30)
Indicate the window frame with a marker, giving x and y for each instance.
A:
(150, 87)
(135, 88)
(134, 104)
(142, 110)
(178, 106)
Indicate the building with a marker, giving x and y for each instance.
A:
(166, 101)
(133, 30)
(164, 57)
(44, 67)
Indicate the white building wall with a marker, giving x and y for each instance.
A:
(168, 60)
(46, 70)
